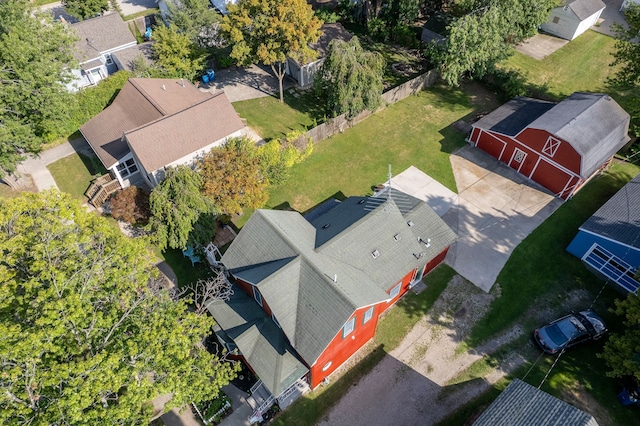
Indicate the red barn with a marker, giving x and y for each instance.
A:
(560, 146)
(309, 290)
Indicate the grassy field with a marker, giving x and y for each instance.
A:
(392, 327)
(581, 65)
(416, 131)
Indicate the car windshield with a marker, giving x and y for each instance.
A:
(556, 335)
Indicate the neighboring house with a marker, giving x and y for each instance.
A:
(609, 241)
(98, 39)
(310, 289)
(124, 59)
(627, 3)
(435, 29)
(303, 73)
(574, 18)
(560, 146)
(157, 123)
(521, 404)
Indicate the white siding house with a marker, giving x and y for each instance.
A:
(574, 18)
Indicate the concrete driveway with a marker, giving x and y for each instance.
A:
(610, 15)
(497, 208)
(540, 46)
(243, 83)
(129, 7)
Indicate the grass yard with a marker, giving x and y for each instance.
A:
(392, 327)
(415, 131)
(581, 65)
(74, 173)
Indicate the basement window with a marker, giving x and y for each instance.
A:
(349, 327)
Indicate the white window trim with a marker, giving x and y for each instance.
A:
(368, 314)
(257, 296)
(396, 290)
(551, 146)
(348, 328)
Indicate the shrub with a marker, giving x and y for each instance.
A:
(507, 83)
(377, 29)
(327, 15)
(131, 205)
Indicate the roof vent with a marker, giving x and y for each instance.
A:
(410, 223)
(164, 87)
(182, 82)
(426, 243)
(375, 254)
(326, 225)
(419, 255)
(397, 237)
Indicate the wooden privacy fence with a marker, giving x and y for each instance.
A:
(391, 96)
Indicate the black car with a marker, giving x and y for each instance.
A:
(577, 327)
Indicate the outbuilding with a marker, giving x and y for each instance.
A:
(573, 18)
(558, 145)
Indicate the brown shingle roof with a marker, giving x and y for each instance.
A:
(141, 101)
(101, 34)
(177, 135)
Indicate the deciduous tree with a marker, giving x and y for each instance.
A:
(84, 9)
(35, 57)
(351, 78)
(175, 54)
(233, 177)
(177, 205)
(267, 31)
(622, 350)
(86, 335)
(195, 19)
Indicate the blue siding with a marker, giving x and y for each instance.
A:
(584, 240)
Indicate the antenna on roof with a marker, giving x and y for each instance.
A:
(164, 87)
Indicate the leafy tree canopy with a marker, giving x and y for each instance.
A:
(233, 178)
(276, 157)
(351, 78)
(35, 56)
(622, 350)
(84, 9)
(86, 334)
(195, 19)
(175, 54)
(267, 31)
(485, 34)
(177, 206)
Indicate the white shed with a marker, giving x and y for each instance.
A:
(574, 18)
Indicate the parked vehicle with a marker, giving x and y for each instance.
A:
(571, 329)
(630, 393)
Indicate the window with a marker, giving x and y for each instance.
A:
(349, 327)
(519, 156)
(273, 317)
(108, 60)
(257, 296)
(368, 315)
(551, 146)
(127, 168)
(556, 19)
(396, 290)
(327, 365)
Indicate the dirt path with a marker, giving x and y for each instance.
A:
(413, 384)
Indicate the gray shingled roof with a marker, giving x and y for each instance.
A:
(126, 56)
(521, 404)
(101, 34)
(593, 123)
(259, 340)
(279, 252)
(619, 218)
(585, 8)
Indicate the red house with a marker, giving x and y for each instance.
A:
(309, 290)
(560, 146)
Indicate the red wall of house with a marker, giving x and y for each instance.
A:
(339, 350)
(537, 166)
(248, 288)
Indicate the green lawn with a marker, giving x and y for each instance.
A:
(390, 331)
(415, 131)
(74, 173)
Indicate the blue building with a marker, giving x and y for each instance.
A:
(609, 241)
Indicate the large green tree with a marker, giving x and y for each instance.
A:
(35, 57)
(176, 56)
(622, 350)
(485, 34)
(350, 78)
(196, 19)
(233, 176)
(83, 9)
(178, 206)
(267, 31)
(87, 336)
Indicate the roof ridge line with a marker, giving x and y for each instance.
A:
(147, 96)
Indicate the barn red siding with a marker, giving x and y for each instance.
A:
(435, 261)
(565, 155)
(339, 350)
(248, 288)
(406, 281)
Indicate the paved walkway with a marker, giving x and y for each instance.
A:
(243, 83)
